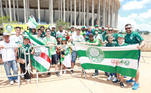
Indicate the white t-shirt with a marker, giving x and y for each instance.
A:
(63, 34)
(8, 54)
(77, 38)
(16, 39)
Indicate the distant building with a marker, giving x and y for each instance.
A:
(77, 12)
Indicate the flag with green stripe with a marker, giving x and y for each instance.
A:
(32, 22)
(42, 58)
(122, 60)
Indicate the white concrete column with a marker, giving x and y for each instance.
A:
(116, 16)
(64, 11)
(113, 18)
(6, 6)
(99, 10)
(27, 9)
(75, 12)
(87, 12)
(92, 13)
(109, 12)
(10, 10)
(71, 12)
(67, 12)
(51, 11)
(14, 10)
(61, 9)
(17, 10)
(25, 19)
(104, 13)
(80, 12)
(84, 13)
(1, 8)
(39, 11)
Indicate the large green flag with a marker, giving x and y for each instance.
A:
(123, 60)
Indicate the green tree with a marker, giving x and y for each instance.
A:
(65, 25)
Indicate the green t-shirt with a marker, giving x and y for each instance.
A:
(43, 35)
(51, 39)
(111, 44)
(21, 51)
(53, 33)
(104, 35)
(95, 41)
(133, 38)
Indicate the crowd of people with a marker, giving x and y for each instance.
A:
(65, 56)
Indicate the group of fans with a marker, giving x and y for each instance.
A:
(96, 36)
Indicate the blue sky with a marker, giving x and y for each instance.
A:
(136, 12)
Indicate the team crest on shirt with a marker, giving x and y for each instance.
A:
(95, 54)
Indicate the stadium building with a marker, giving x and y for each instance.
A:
(77, 12)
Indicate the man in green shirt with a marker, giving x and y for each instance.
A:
(51, 41)
(42, 28)
(134, 38)
(53, 31)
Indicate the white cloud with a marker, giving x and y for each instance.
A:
(146, 15)
(135, 4)
(121, 0)
(134, 18)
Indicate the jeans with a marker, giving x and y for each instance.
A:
(74, 56)
(11, 65)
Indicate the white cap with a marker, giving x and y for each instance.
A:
(6, 34)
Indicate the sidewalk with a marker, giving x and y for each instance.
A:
(75, 84)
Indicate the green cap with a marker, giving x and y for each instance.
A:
(84, 33)
(25, 37)
(96, 25)
(64, 39)
(83, 27)
(121, 35)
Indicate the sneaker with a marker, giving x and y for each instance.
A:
(129, 81)
(71, 71)
(122, 84)
(49, 74)
(95, 74)
(135, 86)
(114, 79)
(57, 74)
(109, 78)
(11, 82)
(16, 81)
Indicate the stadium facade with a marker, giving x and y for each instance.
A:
(77, 12)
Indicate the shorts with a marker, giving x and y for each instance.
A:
(74, 56)
(54, 59)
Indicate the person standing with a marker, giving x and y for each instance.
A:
(52, 42)
(8, 50)
(132, 37)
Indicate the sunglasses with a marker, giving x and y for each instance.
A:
(128, 28)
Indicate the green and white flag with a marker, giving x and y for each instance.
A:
(42, 58)
(122, 60)
(32, 22)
